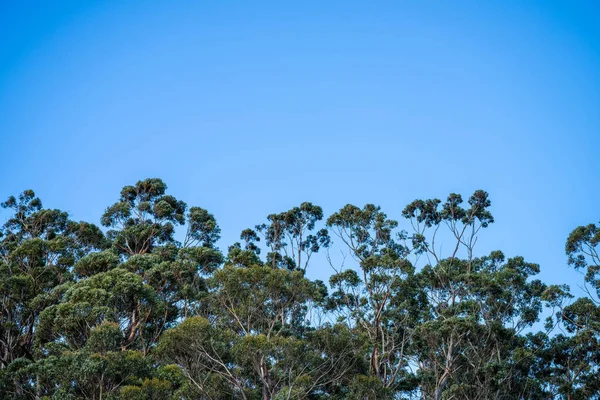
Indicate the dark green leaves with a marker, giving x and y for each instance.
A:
(152, 309)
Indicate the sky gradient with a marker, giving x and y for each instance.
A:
(249, 108)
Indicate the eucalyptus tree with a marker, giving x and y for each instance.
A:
(248, 347)
(468, 346)
(151, 309)
(380, 299)
(571, 361)
(142, 283)
(38, 248)
(583, 255)
(258, 340)
(290, 237)
(142, 228)
(448, 327)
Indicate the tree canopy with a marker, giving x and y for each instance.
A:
(148, 307)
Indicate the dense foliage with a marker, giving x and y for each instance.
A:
(150, 308)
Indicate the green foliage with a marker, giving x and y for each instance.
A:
(152, 309)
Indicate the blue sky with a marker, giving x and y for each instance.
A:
(249, 108)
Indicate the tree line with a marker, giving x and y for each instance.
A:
(148, 307)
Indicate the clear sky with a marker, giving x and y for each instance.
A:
(249, 108)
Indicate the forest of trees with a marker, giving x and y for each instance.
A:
(146, 306)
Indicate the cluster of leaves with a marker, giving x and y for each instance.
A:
(149, 308)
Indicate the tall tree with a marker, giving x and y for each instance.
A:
(571, 361)
(380, 299)
(289, 238)
(139, 286)
(256, 340)
(37, 250)
(152, 310)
